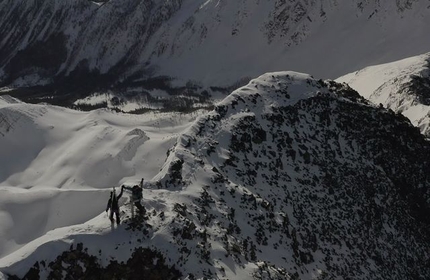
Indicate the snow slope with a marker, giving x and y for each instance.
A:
(54, 160)
(288, 177)
(403, 86)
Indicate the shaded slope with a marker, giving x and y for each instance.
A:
(70, 49)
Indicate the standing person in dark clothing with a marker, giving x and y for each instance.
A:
(114, 206)
(136, 196)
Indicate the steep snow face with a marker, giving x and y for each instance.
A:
(289, 176)
(209, 41)
(403, 86)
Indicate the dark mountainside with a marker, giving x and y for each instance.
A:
(53, 56)
(296, 178)
(61, 51)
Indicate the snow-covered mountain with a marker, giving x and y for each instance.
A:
(403, 86)
(66, 158)
(288, 177)
(82, 47)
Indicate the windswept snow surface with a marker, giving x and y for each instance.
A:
(394, 85)
(57, 165)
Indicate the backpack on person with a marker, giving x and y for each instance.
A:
(137, 192)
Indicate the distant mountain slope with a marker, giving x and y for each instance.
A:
(403, 86)
(81, 47)
(288, 178)
(50, 146)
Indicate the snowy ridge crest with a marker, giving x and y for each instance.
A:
(403, 86)
(285, 143)
(276, 156)
(287, 178)
(277, 89)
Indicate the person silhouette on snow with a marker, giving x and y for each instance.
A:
(136, 196)
(114, 206)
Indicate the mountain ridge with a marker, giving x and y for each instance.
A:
(289, 177)
(402, 86)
